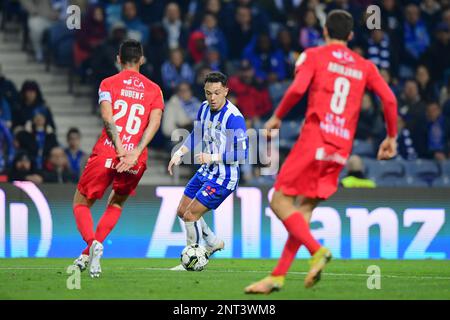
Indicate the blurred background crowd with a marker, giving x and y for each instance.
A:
(256, 43)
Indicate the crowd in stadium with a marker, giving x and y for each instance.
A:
(256, 43)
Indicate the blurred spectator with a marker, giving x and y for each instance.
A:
(137, 30)
(24, 170)
(355, 174)
(214, 37)
(438, 132)
(370, 124)
(6, 146)
(9, 91)
(197, 46)
(198, 87)
(391, 15)
(57, 168)
(113, 12)
(240, 32)
(156, 51)
(213, 60)
(198, 8)
(318, 7)
(445, 98)
(378, 49)
(76, 157)
(41, 16)
(31, 101)
(24, 141)
(5, 112)
(283, 11)
(44, 136)
(431, 11)
(151, 11)
(434, 57)
(410, 106)
(289, 50)
(103, 61)
(176, 70)
(181, 110)
(260, 17)
(392, 82)
(405, 143)
(176, 33)
(310, 32)
(415, 37)
(427, 89)
(267, 61)
(90, 36)
(253, 100)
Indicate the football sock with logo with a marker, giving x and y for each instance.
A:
(287, 256)
(193, 232)
(298, 227)
(84, 221)
(207, 233)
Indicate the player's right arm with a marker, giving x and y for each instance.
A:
(110, 127)
(106, 110)
(305, 69)
(189, 144)
(376, 83)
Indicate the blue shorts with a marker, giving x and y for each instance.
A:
(207, 192)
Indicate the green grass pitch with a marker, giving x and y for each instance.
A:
(223, 279)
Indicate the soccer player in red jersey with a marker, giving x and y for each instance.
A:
(131, 108)
(337, 78)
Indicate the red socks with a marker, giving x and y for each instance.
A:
(299, 233)
(288, 255)
(105, 225)
(84, 221)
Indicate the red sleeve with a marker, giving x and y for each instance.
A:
(104, 92)
(158, 99)
(303, 76)
(376, 83)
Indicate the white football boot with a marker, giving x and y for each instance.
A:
(82, 262)
(178, 268)
(217, 246)
(95, 254)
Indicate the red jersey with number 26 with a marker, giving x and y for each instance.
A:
(133, 97)
(337, 78)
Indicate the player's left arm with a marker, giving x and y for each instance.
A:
(376, 83)
(154, 123)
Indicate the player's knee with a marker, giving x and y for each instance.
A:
(180, 211)
(189, 216)
(275, 204)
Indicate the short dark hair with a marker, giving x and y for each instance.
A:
(216, 76)
(72, 131)
(130, 51)
(339, 24)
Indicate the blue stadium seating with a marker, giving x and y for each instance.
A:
(378, 170)
(445, 168)
(426, 170)
(443, 181)
(363, 148)
(288, 134)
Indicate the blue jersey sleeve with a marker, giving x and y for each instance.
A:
(237, 140)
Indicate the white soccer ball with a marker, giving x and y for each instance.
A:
(194, 257)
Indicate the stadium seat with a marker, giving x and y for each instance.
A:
(363, 148)
(426, 170)
(390, 181)
(378, 170)
(443, 181)
(445, 168)
(60, 44)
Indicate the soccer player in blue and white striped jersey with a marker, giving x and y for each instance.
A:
(221, 140)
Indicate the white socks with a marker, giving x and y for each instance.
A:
(197, 230)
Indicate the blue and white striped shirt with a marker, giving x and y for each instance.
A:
(224, 133)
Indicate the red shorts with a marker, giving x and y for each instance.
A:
(311, 169)
(99, 173)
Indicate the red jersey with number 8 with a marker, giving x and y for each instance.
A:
(133, 97)
(336, 78)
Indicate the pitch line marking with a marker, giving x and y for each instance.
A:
(249, 271)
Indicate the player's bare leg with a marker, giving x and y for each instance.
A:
(284, 207)
(105, 226)
(81, 207)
